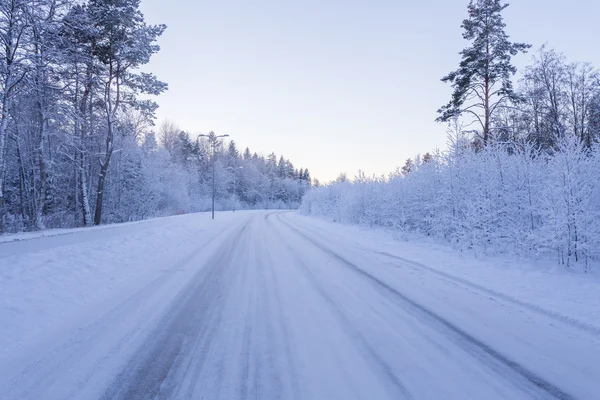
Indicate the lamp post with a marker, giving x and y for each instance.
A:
(234, 184)
(213, 140)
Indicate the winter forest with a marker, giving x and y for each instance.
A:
(521, 171)
(78, 144)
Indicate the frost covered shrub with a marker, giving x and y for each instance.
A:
(505, 198)
(570, 202)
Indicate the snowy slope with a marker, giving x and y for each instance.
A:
(274, 305)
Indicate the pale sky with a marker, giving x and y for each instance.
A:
(335, 85)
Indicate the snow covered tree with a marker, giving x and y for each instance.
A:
(509, 197)
(13, 68)
(560, 100)
(77, 145)
(122, 43)
(232, 152)
(482, 83)
(570, 206)
(582, 89)
(545, 95)
(408, 167)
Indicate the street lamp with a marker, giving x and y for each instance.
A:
(234, 182)
(213, 140)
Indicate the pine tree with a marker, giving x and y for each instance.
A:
(233, 155)
(281, 167)
(483, 80)
(247, 154)
(408, 167)
(307, 177)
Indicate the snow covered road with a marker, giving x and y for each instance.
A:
(272, 305)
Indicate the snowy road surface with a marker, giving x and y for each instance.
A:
(269, 305)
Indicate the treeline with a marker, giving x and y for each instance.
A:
(521, 173)
(76, 126)
(243, 179)
(506, 198)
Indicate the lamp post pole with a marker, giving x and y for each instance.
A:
(214, 188)
(213, 140)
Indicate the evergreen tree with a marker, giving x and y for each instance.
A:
(247, 154)
(408, 167)
(232, 151)
(306, 178)
(482, 82)
(233, 155)
(281, 167)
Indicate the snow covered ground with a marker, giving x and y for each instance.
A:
(274, 305)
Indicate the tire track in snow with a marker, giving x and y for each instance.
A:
(155, 370)
(34, 380)
(271, 280)
(465, 283)
(350, 327)
(584, 326)
(473, 344)
(248, 360)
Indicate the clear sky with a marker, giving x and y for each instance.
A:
(335, 85)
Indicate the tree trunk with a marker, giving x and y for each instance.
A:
(100, 191)
(42, 195)
(21, 180)
(9, 49)
(486, 97)
(83, 190)
(103, 171)
(3, 130)
(83, 125)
